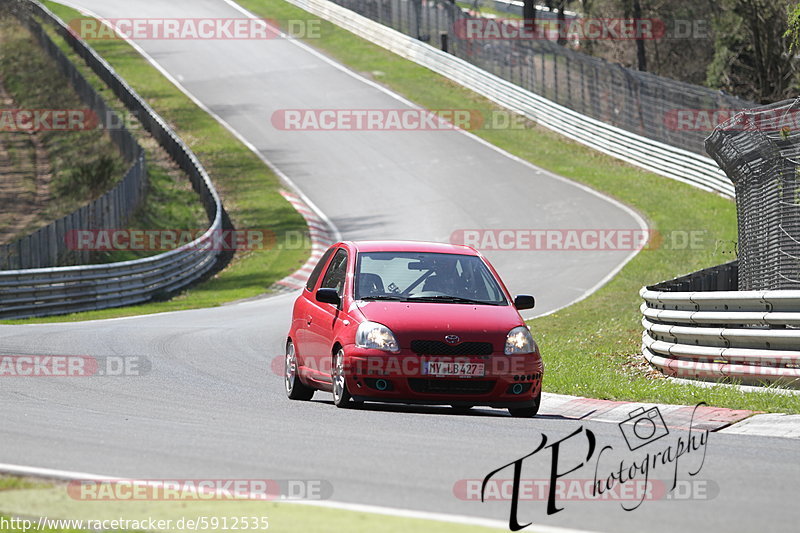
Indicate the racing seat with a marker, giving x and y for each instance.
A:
(370, 285)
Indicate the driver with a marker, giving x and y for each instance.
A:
(445, 278)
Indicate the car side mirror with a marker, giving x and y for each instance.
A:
(329, 296)
(524, 301)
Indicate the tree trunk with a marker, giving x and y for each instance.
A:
(641, 53)
(529, 15)
(562, 29)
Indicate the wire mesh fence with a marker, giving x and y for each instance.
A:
(659, 108)
(48, 246)
(759, 150)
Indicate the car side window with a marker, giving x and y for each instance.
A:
(337, 271)
(312, 279)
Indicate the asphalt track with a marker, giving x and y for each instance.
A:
(211, 405)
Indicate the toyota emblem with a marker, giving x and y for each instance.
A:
(452, 339)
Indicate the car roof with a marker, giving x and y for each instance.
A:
(412, 246)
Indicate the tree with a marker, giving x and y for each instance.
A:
(634, 11)
(793, 30)
(752, 57)
(560, 5)
(586, 8)
(682, 51)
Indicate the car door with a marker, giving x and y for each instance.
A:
(301, 316)
(322, 317)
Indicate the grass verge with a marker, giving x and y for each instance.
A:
(66, 168)
(31, 500)
(250, 191)
(591, 348)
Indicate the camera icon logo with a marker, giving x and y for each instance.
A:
(643, 427)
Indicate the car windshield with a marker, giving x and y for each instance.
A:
(426, 277)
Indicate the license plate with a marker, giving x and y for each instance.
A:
(466, 370)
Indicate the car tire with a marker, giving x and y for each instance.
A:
(528, 411)
(341, 396)
(295, 389)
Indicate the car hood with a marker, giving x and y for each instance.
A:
(433, 321)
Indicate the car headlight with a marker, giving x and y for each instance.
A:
(376, 336)
(519, 340)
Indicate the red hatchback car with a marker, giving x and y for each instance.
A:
(412, 322)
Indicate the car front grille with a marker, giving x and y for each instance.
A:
(442, 348)
(450, 386)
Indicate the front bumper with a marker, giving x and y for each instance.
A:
(507, 381)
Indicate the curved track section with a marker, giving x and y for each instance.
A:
(211, 404)
(383, 184)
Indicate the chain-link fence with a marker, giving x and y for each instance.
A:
(759, 150)
(48, 246)
(659, 108)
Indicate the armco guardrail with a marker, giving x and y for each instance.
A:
(49, 291)
(709, 330)
(651, 155)
(515, 7)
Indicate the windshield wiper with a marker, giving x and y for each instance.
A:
(450, 299)
(384, 297)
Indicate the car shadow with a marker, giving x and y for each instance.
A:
(424, 409)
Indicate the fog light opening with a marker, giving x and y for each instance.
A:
(517, 388)
(381, 384)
